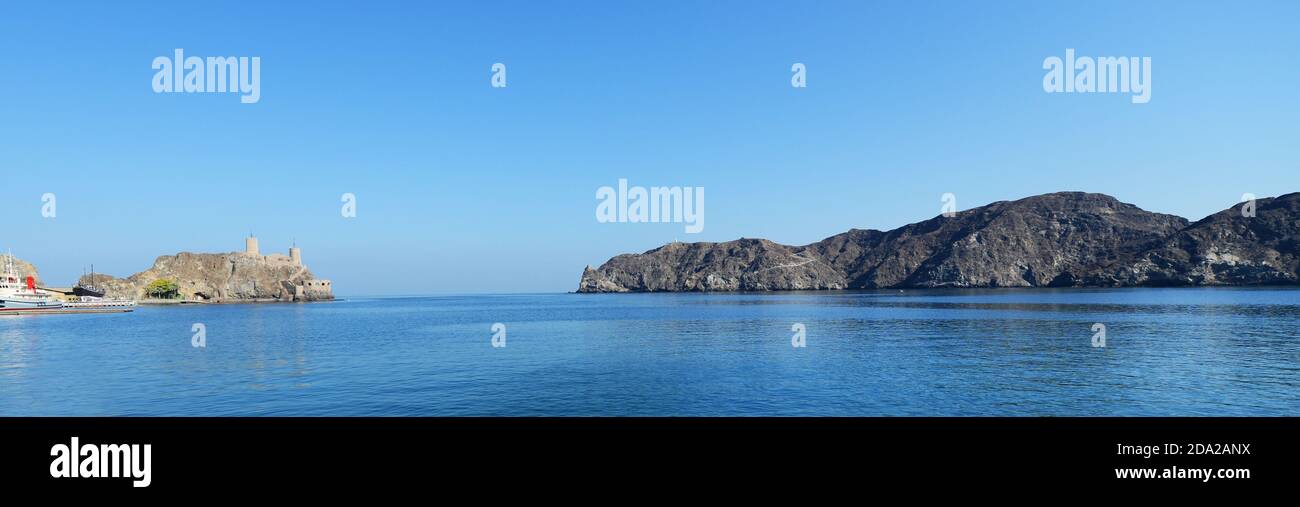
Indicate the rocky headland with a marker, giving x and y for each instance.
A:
(1065, 239)
(222, 278)
(233, 277)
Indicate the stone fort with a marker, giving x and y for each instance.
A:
(311, 289)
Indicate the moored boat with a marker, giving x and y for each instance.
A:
(21, 295)
(98, 303)
(88, 290)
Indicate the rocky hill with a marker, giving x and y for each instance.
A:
(1225, 248)
(1054, 240)
(224, 277)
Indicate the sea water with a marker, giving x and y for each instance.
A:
(1024, 352)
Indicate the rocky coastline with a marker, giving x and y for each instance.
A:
(233, 277)
(223, 278)
(1064, 239)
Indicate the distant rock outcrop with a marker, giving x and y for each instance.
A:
(224, 277)
(1055, 240)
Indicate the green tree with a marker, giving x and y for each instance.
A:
(163, 288)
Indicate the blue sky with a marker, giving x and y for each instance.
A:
(462, 187)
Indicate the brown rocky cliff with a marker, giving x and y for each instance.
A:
(1062, 239)
(1226, 248)
(223, 277)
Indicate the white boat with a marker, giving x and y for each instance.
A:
(21, 295)
(98, 303)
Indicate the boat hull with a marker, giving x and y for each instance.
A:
(19, 304)
(62, 311)
(83, 291)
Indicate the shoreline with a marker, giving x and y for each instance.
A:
(176, 302)
(950, 288)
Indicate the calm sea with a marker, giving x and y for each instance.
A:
(999, 352)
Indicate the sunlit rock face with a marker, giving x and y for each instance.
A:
(224, 277)
(1066, 239)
